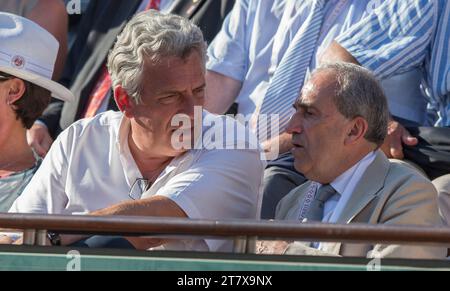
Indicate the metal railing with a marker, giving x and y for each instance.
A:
(241, 231)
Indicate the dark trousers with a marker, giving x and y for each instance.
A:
(432, 153)
(100, 242)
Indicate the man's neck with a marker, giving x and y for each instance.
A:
(149, 164)
(352, 158)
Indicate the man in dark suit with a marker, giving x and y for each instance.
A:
(102, 22)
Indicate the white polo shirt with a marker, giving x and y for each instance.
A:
(90, 167)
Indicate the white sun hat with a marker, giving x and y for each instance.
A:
(28, 52)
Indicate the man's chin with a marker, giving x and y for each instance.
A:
(301, 167)
(298, 168)
(179, 151)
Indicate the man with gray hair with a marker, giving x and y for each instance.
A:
(129, 163)
(339, 125)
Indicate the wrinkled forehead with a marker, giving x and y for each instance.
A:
(318, 90)
(308, 89)
(173, 74)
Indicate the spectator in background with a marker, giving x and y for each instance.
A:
(417, 36)
(339, 125)
(51, 15)
(85, 72)
(25, 88)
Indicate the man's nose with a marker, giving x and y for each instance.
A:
(294, 124)
(188, 105)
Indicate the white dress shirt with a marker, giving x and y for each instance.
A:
(90, 167)
(345, 185)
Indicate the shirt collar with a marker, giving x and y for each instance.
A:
(130, 167)
(341, 182)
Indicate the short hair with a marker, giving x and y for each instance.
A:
(151, 36)
(32, 103)
(359, 93)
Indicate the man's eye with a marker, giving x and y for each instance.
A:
(199, 91)
(306, 112)
(168, 99)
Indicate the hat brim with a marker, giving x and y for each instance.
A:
(58, 91)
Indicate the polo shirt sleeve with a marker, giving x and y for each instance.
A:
(228, 53)
(220, 185)
(394, 38)
(45, 194)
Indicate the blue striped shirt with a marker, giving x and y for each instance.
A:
(401, 35)
(257, 33)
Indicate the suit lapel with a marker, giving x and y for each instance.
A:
(293, 213)
(366, 190)
(187, 8)
(368, 187)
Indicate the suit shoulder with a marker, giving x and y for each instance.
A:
(408, 198)
(405, 181)
(402, 171)
(107, 122)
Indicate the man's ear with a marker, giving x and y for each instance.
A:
(16, 90)
(123, 101)
(357, 130)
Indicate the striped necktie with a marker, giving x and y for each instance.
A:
(291, 72)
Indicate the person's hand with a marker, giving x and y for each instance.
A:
(278, 145)
(39, 139)
(142, 243)
(18, 242)
(271, 247)
(397, 136)
(5, 240)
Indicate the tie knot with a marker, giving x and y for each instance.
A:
(325, 192)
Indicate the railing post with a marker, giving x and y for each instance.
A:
(29, 237)
(251, 245)
(240, 245)
(41, 238)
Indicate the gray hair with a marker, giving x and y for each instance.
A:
(151, 36)
(359, 93)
